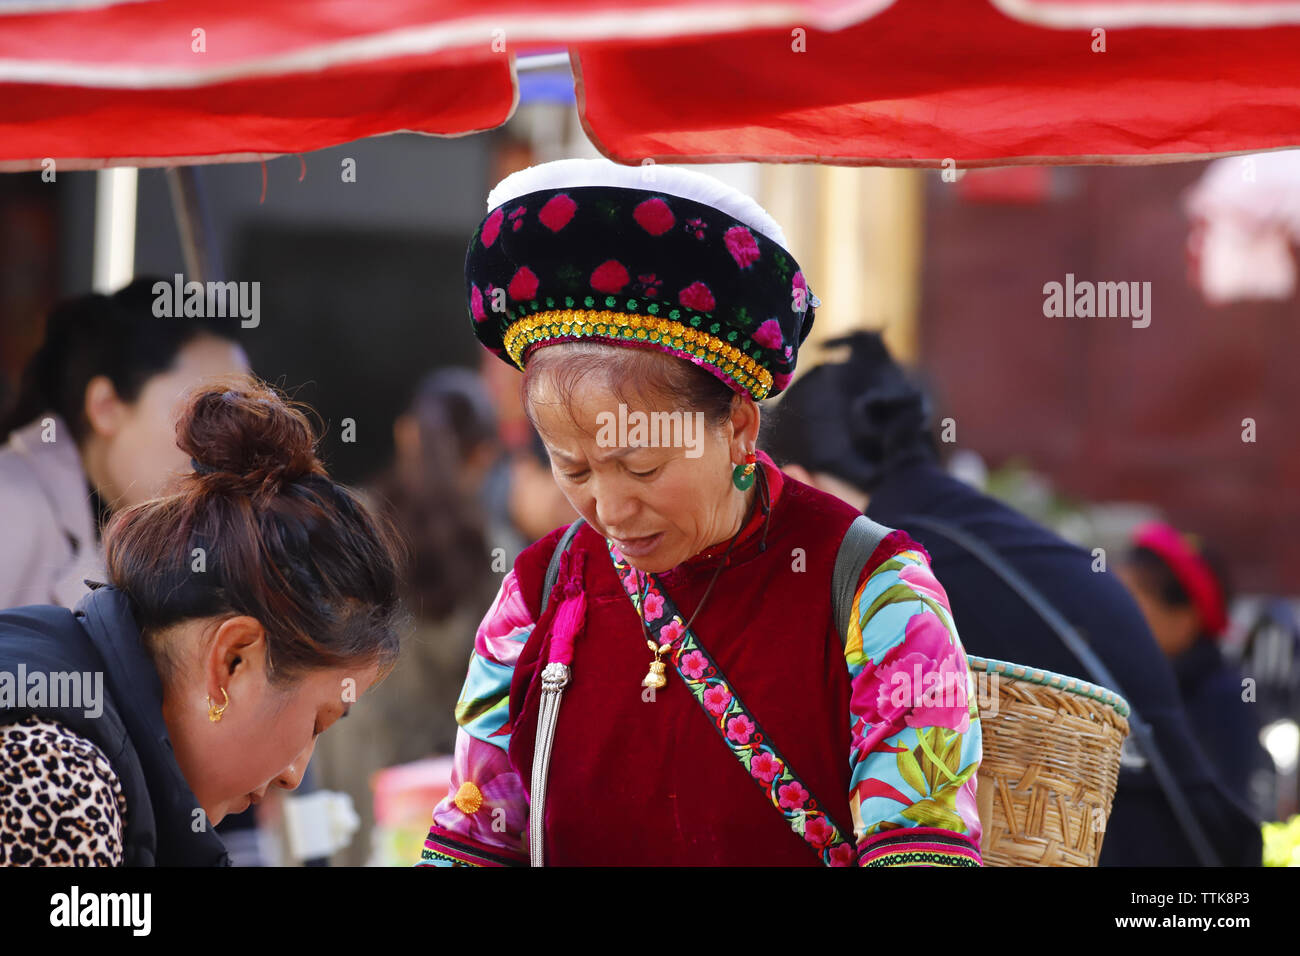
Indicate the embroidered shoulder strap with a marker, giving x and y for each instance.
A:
(739, 729)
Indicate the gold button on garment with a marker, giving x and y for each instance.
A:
(468, 798)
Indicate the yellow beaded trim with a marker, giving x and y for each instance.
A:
(578, 323)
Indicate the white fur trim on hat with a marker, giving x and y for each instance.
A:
(668, 180)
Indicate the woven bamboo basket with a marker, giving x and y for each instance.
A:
(1050, 765)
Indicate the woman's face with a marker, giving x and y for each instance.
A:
(138, 439)
(1174, 628)
(266, 734)
(660, 505)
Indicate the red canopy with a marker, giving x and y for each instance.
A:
(890, 82)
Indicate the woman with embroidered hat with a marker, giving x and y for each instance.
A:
(717, 664)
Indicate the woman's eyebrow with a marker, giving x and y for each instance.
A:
(620, 452)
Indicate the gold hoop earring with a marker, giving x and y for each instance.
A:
(215, 712)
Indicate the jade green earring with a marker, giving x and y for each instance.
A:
(742, 476)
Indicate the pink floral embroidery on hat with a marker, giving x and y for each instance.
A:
(557, 212)
(523, 285)
(476, 305)
(610, 276)
(491, 227)
(698, 297)
(768, 334)
(517, 217)
(742, 246)
(654, 216)
(781, 380)
(649, 284)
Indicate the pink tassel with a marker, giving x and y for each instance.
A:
(571, 615)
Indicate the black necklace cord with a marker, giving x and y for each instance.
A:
(765, 499)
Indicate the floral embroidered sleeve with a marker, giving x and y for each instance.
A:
(483, 820)
(915, 723)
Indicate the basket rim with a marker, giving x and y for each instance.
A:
(1037, 675)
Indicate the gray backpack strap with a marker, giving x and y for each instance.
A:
(553, 569)
(862, 538)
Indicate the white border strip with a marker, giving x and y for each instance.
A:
(460, 34)
(1193, 13)
(38, 7)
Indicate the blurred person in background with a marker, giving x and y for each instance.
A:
(445, 444)
(216, 677)
(1182, 588)
(94, 430)
(861, 431)
(536, 503)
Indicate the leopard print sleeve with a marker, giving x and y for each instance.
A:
(61, 803)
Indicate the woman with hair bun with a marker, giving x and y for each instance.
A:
(242, 617)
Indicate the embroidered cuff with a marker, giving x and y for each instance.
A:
(918, 846)
(442, 848)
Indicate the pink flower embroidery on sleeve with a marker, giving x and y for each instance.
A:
(921, 680)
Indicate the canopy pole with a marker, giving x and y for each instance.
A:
(193, 225)
(115, 211)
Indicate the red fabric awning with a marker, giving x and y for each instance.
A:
(929, 80)
(889, 82)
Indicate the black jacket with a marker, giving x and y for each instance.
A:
(1225, 726)
(162, 826)
(994, 622)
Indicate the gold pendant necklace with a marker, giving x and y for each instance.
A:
(655, 677)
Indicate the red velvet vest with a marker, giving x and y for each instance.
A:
(636, 782)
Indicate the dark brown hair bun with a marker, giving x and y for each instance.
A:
(260, 529)
(245, 437)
